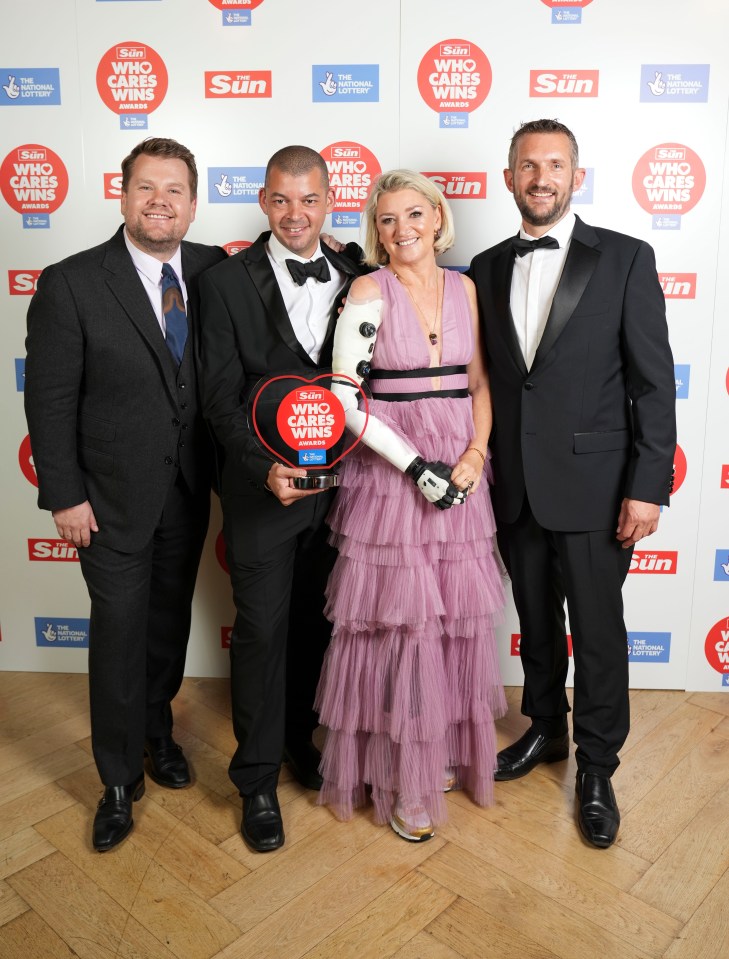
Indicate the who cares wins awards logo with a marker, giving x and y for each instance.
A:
(716, 648)
(352, 171)
(34, 181)
(669, 180)
(131, 78)
(454, 78)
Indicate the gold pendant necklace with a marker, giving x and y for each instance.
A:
(432, 336)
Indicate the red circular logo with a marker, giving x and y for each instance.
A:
(352, 171)
(33, 179)
(236, 4)
(566, 3)
(131, 78)
(220, 551)
(716, 646)
(454, 75)
(310, 417)
(235, 246)
(727, 380)
(669, 178)
(25, 459)
(679, 467)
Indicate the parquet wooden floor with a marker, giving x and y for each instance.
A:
(510, 882)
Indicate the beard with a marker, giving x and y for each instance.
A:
(546, 217)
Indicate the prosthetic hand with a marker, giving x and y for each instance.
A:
(434, 482)
(354, 344)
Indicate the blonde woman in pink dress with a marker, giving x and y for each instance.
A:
(410, 685)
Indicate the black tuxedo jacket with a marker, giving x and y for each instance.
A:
(106, 408)
(593, 420)
(246, 335)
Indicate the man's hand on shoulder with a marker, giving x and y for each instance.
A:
(76, 524)
(280, 482)
(637, 519)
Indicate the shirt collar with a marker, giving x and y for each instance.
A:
(149, 265)
(280, 254)
(561, 231)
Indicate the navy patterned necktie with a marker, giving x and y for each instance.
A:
(173, 307)
(522, 247)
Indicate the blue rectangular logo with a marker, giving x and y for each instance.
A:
(649, 647)
(315, 457)
(235, 184)
(725, 679)
(352, 82)
(721, 566)
(50, 631)
(36, 221)
(674, 83)
(452, 121)
(30, 87)
(666, 221)
(136, 121)
(567, 15)
(236, 18)
(586, 192)
(20, 375)
(342, 219)
(683, 379)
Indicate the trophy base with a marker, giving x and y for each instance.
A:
(320, 481)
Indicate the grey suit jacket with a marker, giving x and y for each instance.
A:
(106, 407)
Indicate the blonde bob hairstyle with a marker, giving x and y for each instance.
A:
(391, 182)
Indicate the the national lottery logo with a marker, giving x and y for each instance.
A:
(665, 562)
(131, 78)
(678, 286)
(682, 372)
(30, 86)
(25, 461)
(112, 186)
(649, 647)
(20, 374)
(586, 192)
(716, 646)
(674, 83)
(23, 282)
(454, 75)
(460, 186)
(237, 84)
(33, 179)
(235, 184)
(721, 566)
(51, 551)
(352, 171)
(236, 13)
(352, 82)
(669, 177)
(235, 246)
(72, 633)
(564, 83)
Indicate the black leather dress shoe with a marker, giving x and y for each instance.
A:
(527, 752)
(598, 815)
(167, 764)
(262, 826)
(113, 820)
(303, 760)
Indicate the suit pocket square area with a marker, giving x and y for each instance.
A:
(602, 441)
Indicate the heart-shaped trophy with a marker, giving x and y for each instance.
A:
(300, 421)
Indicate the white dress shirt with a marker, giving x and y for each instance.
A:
(533, 285)
(309, 306)
(149, 269)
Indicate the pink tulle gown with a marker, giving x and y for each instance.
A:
(410, 684)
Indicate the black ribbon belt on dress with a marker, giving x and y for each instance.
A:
(426, 372)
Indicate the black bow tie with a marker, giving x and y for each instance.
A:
(300, 272)
(522, 247)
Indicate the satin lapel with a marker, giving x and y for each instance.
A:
(579, 266)
(261, 273)
(502, 268)
(126, 287)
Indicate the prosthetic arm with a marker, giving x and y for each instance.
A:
(354, 343)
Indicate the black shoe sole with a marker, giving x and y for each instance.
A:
(502, 775)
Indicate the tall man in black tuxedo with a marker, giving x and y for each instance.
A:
(271, 309)
(123, 461)
(583, 391)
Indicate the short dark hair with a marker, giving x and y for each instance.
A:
(165, 149)
(543, 126)
(297, 160)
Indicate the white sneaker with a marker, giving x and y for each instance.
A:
(411, 821)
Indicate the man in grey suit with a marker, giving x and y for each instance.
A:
(124, 461)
